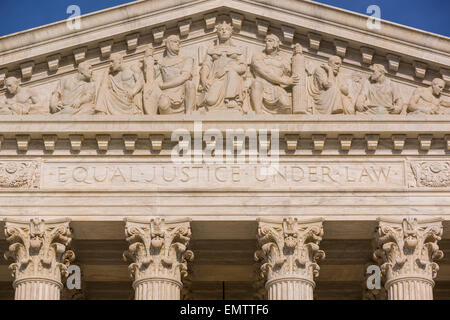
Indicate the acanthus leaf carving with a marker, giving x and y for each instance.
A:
(289, 249)
(39, 248)
(408, 248)
(158, 249)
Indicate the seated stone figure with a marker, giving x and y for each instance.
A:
(173, 74)
(75, 95)
(329, 92)
(272, 71)
(20, 101)
(429, 100)
(221, 74)
(378, 94)
(121, 89)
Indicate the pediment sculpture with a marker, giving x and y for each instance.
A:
(226, 77)
(273, 76)
(75, 95)
(429, 100)
(378, 94)
(19, 100)
(121, 89)
(173, 91)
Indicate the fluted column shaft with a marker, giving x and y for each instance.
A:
(406, 251)
(289, 251)
(37, 289)
(157, 289)
(159, 256)
(38, 249)
(290, 289)
(410, 288)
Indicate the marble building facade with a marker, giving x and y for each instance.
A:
(251, 149)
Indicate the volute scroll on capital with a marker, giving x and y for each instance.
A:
(409, 248)
(289, 248)
(158, 248)
(39, 248)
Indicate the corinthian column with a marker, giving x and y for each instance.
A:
(159, 256)
(38, 249)
(289, 251)
(406, 251)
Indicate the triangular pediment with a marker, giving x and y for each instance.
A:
(40, 57)
(304, 17)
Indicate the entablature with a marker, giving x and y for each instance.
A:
(364, 135)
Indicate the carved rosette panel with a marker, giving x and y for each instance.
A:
(432, 174)
(289, 249)
(407, 251)
(39, 249)
(158, 249)
(19, 174)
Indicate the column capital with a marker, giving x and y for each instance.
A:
(38, 248)
(407, 250)
(289, 248)
(158, 249)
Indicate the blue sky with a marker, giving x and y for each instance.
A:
(430, 15)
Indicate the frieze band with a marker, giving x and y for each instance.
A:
(303, 175)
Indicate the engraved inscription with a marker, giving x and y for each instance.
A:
(291, 176)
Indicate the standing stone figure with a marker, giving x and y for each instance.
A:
(378, 94)
(121, 89)
(75, 95)
(272, 71)
(221, 74)
(429, 100)
(20, 101)
(329, 92)
(176, 91)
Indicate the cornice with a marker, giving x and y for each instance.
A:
(304, 16)
(413, 135)
(306, 124)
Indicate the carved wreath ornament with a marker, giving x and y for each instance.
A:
(289, 248)
(408, 248)
(38, 248)
(431, 174)
(158, 248)
(19, 174)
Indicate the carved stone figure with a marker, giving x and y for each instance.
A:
(20, 101)
(378, 94)
(75, 95)
(272, 71)
(176, 91)
(221, 74)
(329, 92)
(429, 100)
(121, 89)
